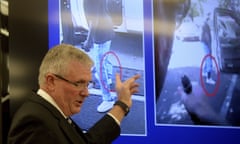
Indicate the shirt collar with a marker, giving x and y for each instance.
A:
(49, 99)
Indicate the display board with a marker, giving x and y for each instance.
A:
(167, 43)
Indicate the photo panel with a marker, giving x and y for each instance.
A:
(111, 33)
(186, 51)
(197, 63)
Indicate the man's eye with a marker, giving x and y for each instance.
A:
(80, 83)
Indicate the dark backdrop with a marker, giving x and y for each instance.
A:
(28, 42)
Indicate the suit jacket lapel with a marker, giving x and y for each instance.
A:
(74, 135)
(71, 132)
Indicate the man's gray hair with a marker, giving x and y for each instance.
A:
(57, 59)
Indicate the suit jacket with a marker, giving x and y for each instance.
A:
(39, 122)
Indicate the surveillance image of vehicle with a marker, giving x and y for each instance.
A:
(227, 33)
(188, 31)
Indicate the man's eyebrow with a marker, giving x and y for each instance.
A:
(83, 81)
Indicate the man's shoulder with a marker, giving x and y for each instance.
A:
(36, 107)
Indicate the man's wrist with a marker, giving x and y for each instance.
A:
(123, 106)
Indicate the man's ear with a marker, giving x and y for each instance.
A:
(50, 81)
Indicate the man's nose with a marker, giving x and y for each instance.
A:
(84, 92)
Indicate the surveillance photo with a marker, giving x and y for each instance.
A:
(205, 49)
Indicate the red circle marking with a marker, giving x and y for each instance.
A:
(101, 63)
(218, 77)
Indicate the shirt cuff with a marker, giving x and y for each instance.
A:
(116, 120)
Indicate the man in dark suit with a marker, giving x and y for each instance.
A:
(64, 76)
